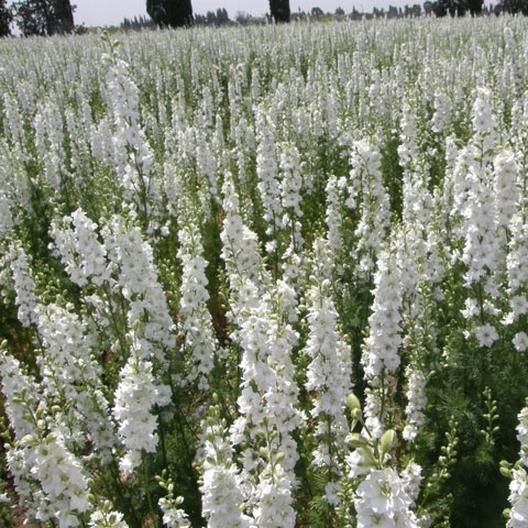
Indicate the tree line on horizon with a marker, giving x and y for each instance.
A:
(51, 17)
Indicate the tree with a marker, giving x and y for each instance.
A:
(61, 21)
(280, 10)
(513, 6)
(44, 17)
(475, 6)
(5, 19)
(449, 7)
(461, 7)
(171, 13)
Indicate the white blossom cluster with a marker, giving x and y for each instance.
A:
(62, 479)
(70, 373)
(329, 373)
(416, 401)
(136, 396)
(367, 182)
(223, 498)
(105, 517)
(81, 253)
(196, 326)
(24, 286)
(137, 278)
(518, 498)
(383, 499)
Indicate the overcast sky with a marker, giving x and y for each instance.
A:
(101, 12)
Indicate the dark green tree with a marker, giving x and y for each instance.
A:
(170, 13)
(5, 19)
(61, 21)
(280, 10)
(458, 7)
(513, 6)
(453, 8)
(44, 17)
(475, 6)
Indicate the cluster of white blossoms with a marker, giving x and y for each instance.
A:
(268, 397)
(381, 347)
(367, 182)
(47, 475)
(62, 479)
(23, 401)
(21, 394)
(222, 499)
(137, 277)
(173, 515)
(518, 514)
(380, 356)
(133, 157)
(71, 373)
(329, 373)
(268, 171)
(382, 499)
(49, 138)
(291, 182)
(24, 286)
(81, 253)
(517, 270)
(106, 517)
(136, 396)
(196, 326)
(416, 401)
(240, 244)
(333, 217)
(273, 493)
(442, 112)
(506, 190)
(518, 498)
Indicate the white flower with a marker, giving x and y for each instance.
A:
(275, 509)
(81, 253)
(135, 397)
(24, 284)
(520, 342)
(62, 479)
(138, 281)
(367, 181)
(173, 516)
(330, 370)
(107, 518)
(486, 335)
(416, 401)
(222, 496)
(382, 346)
(518, 499)
(196, 325)
(382, 500)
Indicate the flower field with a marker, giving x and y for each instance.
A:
(266, 277)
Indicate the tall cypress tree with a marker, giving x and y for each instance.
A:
(170, 13)
(280, 10)
(62, 17)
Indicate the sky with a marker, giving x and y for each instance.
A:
(108, 12)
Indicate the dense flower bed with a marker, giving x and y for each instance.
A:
(266, 277)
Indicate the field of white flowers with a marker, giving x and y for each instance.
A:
(266, 277)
